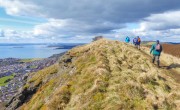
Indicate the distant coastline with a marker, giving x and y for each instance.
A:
(64, 46)
(28, 51)
(18, 47)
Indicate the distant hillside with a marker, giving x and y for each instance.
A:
(103, 75)
(169, 48)
(172, 49)
(172, 42)
(150, 42)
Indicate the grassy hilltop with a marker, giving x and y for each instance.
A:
(103, 75)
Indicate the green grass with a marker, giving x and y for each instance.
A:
(4, 79)
(29, 60)
(33, 66)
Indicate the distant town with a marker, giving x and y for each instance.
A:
(17, 70)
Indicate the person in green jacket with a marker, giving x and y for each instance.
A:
(156, 49)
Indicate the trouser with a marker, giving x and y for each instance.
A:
(156, 57)
(138, 46)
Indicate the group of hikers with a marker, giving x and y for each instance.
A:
(136, 41)
(156, 48)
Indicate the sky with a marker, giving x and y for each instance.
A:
(78, 21)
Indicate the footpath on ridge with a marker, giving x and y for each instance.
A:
(170, 68)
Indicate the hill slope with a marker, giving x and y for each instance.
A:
(105, 74)
(168, 48)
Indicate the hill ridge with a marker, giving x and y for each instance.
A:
(105, 75)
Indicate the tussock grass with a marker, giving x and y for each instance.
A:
(107, 75)
(37, 77)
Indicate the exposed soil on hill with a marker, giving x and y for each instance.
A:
(172, 49)
(2, 107)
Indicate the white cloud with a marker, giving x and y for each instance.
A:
(15, 36)
(51, 28)
(1, 33)
(18, 21)
(164, 26)
(71, 28)
(19, 7)
(71, 20)
(162, 21)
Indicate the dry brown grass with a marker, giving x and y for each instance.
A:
(107, 75)
(167, 60)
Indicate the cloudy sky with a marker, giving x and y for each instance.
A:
(31, 21)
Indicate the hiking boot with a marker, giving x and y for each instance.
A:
(158, 64)
(153, 60)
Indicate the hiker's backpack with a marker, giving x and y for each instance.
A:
(139, 40)
(158, 47)
(128, 39)
(135, 40)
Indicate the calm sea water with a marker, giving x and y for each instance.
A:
(28, 51)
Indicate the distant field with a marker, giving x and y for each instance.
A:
(4, 79)
(148, 43)
(172, 49)
(30, 60)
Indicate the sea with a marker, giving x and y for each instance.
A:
(24, 51)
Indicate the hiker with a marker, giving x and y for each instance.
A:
(138, 42)
(156, 49)
(135, 41)
(127, 40)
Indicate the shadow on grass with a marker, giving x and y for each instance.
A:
(171, 66)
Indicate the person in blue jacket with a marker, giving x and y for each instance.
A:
(156, 50)
(127, 40)
(135, 41)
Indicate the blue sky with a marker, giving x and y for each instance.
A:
(18, 22)
(36, 21)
